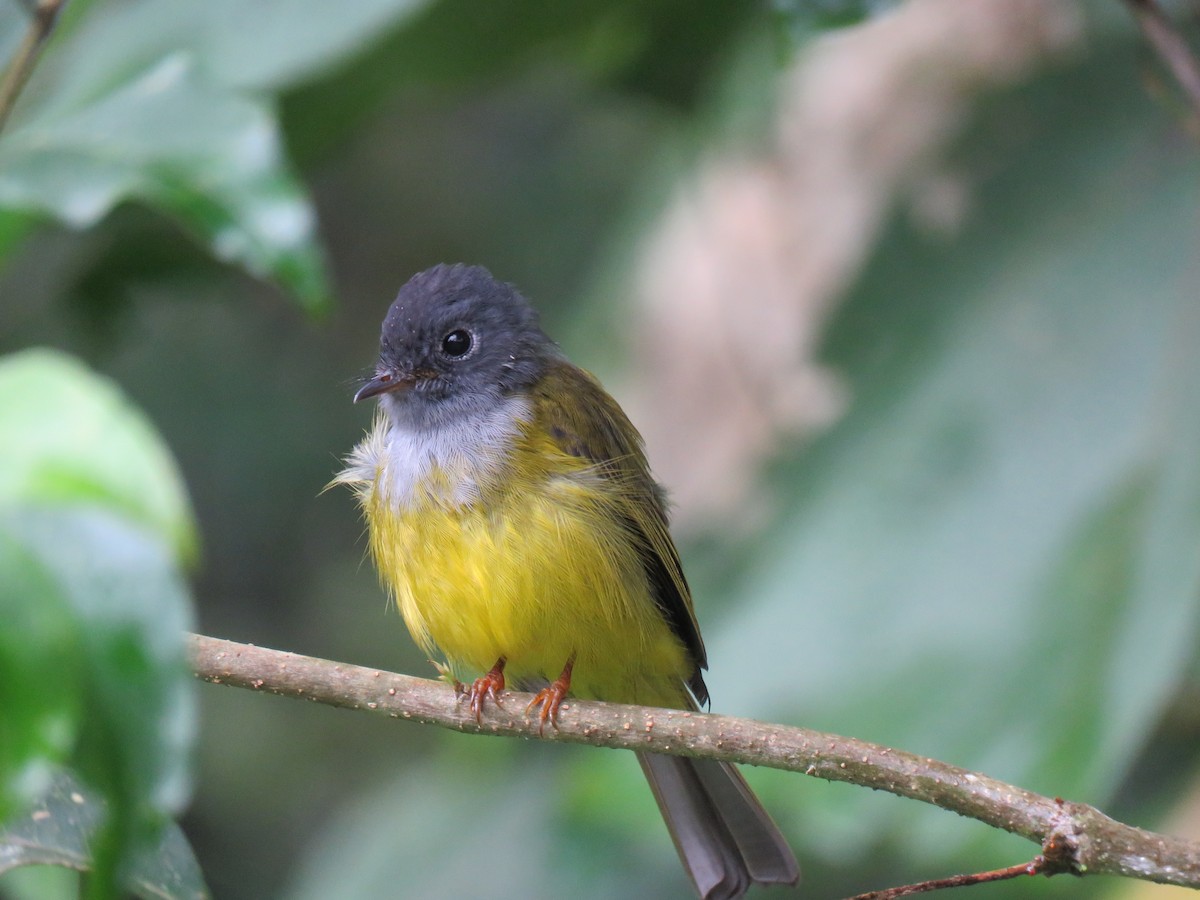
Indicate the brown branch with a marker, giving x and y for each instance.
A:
(1162, 35)
(1040, 865)
(43, 14)
(1079, 838)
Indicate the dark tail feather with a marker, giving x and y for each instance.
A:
(724, 837)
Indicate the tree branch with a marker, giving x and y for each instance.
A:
(43, 14)
(1074, 837)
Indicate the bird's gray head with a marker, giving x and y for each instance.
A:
(455, 342)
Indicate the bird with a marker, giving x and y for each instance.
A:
(512, 515)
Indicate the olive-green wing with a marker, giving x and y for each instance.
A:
(595, 428)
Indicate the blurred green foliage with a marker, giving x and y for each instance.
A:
(1019, 467)
(991, 559)
(62, 829)
(94, 528)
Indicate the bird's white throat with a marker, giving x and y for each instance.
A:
(447, 461)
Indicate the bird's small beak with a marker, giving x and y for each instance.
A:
(383, 383)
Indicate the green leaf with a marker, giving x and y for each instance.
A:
(166, 136)
(41, 883)
(264, 47)
(168, 105)
(93, 527)
(40, 675)
(118, 701)
(72, 437)
(61, 826)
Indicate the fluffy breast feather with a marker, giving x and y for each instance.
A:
(451, 465)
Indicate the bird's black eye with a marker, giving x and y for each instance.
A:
(456, 343)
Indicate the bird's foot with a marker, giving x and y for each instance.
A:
(485, 688)
(550, 698)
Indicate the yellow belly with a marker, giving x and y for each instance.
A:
(534, 576)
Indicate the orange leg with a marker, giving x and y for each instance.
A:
(550, 697)
(490, 685)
